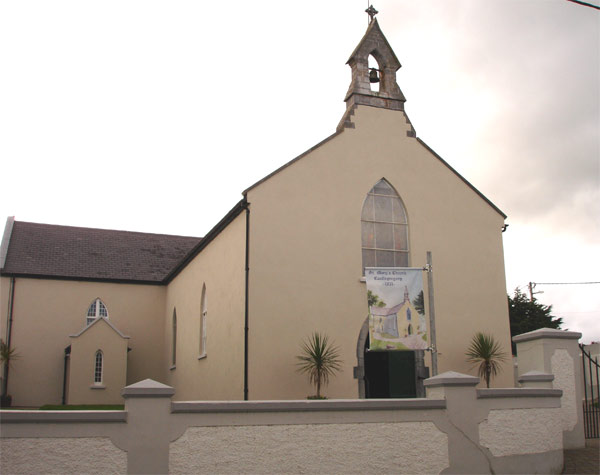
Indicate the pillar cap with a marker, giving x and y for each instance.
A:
(546, 333)
(451, 378)
(536, 376)
(147, 388)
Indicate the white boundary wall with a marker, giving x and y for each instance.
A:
(456, 429)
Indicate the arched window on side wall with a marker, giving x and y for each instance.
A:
(174, 341)
(203, 317)
(98, 367)
(384, 228)
(96, 310)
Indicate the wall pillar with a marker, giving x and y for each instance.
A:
(464, 450)
(556, 352)
(148, 406)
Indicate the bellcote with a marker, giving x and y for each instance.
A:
(389, 95)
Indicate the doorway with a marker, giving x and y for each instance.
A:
(390, 374)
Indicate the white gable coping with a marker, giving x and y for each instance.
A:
(10, 221)
(94, 323)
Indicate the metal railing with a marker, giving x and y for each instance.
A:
(591, 401)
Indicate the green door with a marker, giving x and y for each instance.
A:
(401, 368)
(390, 374)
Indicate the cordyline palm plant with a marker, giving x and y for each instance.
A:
(319, 359)
(7, 355)
(486, 352)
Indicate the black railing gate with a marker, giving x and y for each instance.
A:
(591, 409)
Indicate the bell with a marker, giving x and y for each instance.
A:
(373, 76)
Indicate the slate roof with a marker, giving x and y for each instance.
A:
(66, 252)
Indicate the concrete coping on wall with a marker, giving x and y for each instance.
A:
(518, 392)
(8, 416)
(147, 388)
(307, 406)
(451, 378)
(546, 333)
(535, 376)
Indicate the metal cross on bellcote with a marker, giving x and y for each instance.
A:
(371, 12)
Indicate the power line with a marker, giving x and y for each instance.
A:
(564, 283)
(585, 4)
(533, 285)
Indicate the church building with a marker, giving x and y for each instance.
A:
(223, 317)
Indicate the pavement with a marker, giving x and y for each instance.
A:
(585, 460)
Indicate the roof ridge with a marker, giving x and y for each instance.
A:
(106, 230)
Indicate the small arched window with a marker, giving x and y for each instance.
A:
(174, 342)
(203, 317)
(96, 310)
(384, 228)
(98, 367)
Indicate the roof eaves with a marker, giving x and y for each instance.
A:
(81, 279)
(212, 234)
(481, 195)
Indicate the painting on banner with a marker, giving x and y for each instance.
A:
(396, 308)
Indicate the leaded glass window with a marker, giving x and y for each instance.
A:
(174, 341)
(203, 317)
(97, 309)
(98, 368)
(384, 228)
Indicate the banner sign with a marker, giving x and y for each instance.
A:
(396, 308)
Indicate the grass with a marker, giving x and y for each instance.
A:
(83, 407)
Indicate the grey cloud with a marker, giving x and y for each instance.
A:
(542, 60)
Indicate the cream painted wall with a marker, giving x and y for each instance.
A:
(305, 254)
(46, 312)
(82, 363)
(220, 266)
(4, 295)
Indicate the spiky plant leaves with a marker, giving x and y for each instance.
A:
(486, 352)
(319, 359)
(7, 354)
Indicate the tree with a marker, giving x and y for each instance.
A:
(374, 300)
(319, 359)
(527, 315)
(487, 353)
(419, 303)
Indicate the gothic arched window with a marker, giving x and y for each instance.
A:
(96, 309)
(203, 316)
(384, 228)
(174, 341)
(98, 367)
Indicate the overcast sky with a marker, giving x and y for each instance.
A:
(154, 116)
